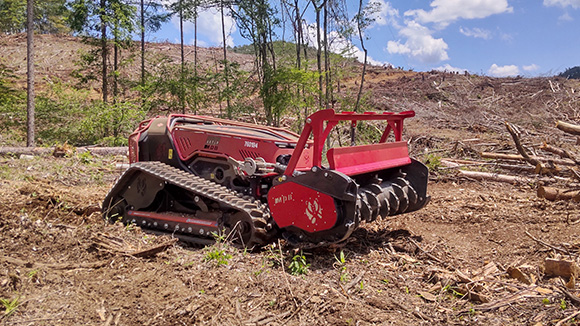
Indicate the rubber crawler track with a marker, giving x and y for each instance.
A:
(226, 198)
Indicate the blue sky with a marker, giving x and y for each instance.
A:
(491, 37)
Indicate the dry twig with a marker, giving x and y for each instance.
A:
(547, 244)
(575, 300)
(561, 322)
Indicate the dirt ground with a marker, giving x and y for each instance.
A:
(64, 266)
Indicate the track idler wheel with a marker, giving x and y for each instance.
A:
(116, 210)
(246, 232)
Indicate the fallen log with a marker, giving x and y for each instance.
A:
(100, 151)
(516, 157)
(516, 168)
(448, 164)
(495, 177)
(451, 163)
(553, 194)
(568, 127)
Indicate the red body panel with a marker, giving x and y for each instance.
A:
(190, 141)
(193, 135)
(134, 140)
(367, 158)
(292, 204)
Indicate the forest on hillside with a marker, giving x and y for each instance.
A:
(114, 77)
(117, 81)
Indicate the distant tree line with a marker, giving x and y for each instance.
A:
(571, 73)
(292, 74)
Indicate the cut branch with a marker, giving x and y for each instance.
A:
(495, 177)
(532, 161)
(568, 128)
(515, 157)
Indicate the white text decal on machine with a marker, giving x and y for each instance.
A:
(251, 144)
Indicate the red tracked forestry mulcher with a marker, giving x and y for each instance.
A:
(194, 175)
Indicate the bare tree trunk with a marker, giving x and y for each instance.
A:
(30, 78)
(115, 70)
(297, 32)
(326, 59)
(318, 54)
(104, 50)
(181, 87)
(362, 78)
(362, 44)
(142, 43)
(226, 65)
(195, 59)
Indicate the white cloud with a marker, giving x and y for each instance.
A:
(562, 3)
(565, 18)
(450, 68)
(338, 44)
(386, 13)
(532, 67)
(444, 12)
(506, 37)
(420, 44)
(476, 32)
(503, 71)
(209, 24)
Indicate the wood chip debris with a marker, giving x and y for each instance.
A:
(121, 246)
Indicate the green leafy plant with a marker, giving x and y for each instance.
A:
(298, 266)
(219, 255)
(32, 274)
(546, 301)
(341, 259)
(86, 157)
(218, 252)
(10, 306)
(563, 305)
(219, 237)
(433, 162)
(341, 265)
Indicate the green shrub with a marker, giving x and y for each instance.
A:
(298, 266)
(433, 162)
(66, 114)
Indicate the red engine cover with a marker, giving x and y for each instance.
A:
(292, 204)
